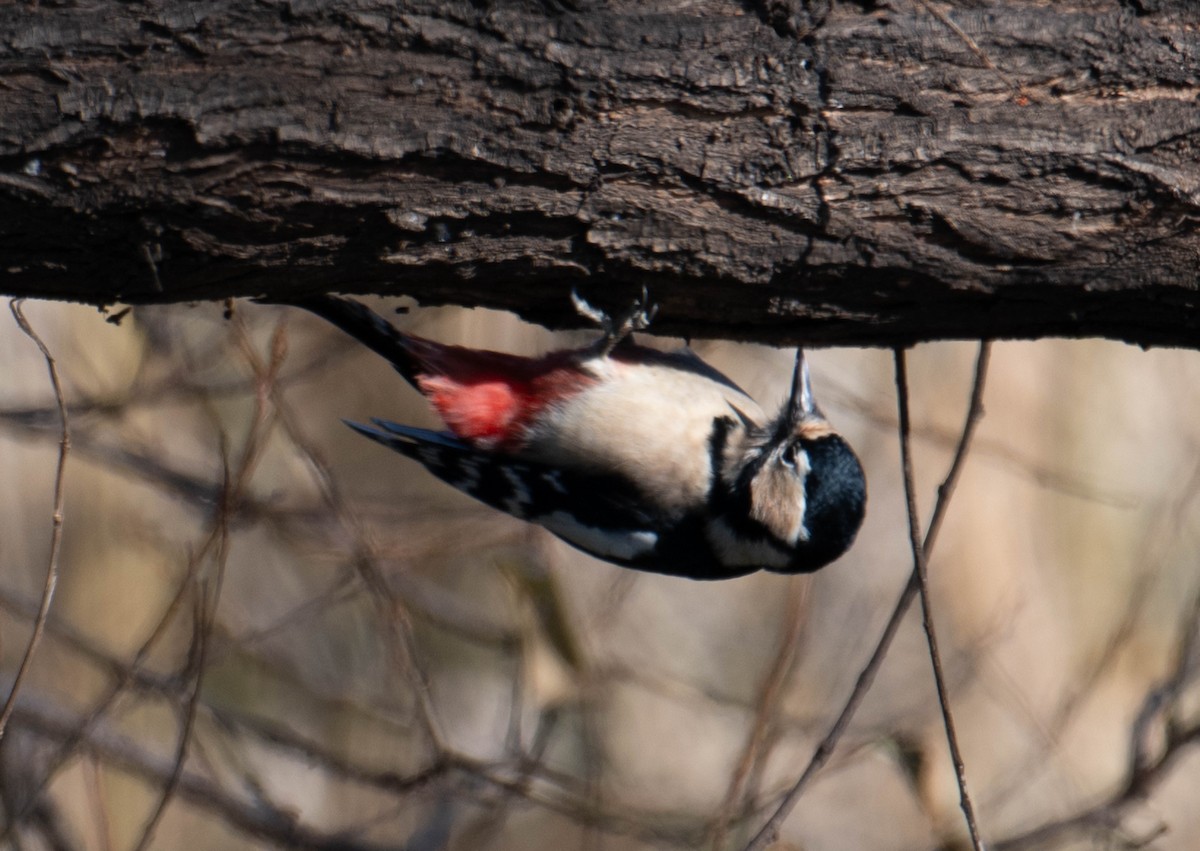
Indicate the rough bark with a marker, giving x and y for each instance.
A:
(847, 172)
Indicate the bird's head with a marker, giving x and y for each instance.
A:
(801, 484)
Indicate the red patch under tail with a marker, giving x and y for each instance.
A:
(490, 398)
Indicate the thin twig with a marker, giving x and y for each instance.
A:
(1145, 771)
(921, 569)
(204, 613)
(236, 481)
(101, 829)
(770, 831)
(392, 606)
(51, 582)
(236, 724)
(231, 496)
(1152, 551)
(974, 415)
(278, 826)
(133, 672)
(521, 780)
(758, 743)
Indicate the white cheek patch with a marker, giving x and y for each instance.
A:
(777, 499)
(626, 545)
(793, 528)
(735, 551)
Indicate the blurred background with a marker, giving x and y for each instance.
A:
(270, 632)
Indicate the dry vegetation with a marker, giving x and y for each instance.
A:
(269, 632)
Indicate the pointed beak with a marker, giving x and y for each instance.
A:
(800, 406)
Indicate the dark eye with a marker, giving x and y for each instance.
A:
(788, 457)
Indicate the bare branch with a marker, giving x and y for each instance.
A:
(1145, 770)
(770, 830)
(366, 559)
(202, 626)
(921, 568)
(757, 743)
(255, 819)
(874, 184)
(234, 485)
(56, 519)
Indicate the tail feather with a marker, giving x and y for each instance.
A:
(490, 478)
(483, 396)
(370, 329)
(389, 434)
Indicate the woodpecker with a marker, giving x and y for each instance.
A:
(647, 459)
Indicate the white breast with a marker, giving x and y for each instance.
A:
(651, 423)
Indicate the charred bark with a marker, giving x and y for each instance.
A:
(829, 172)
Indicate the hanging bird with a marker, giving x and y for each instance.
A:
(646, 459)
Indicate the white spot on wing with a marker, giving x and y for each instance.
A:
(469, 480)
(429, 456)
(626, 545)
(520, 500)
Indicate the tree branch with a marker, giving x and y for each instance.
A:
(56, 518)
(769, 832)
(881, 174)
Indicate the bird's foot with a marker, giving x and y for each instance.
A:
(637, 318)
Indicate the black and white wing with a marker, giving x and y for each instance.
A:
(603, 515)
